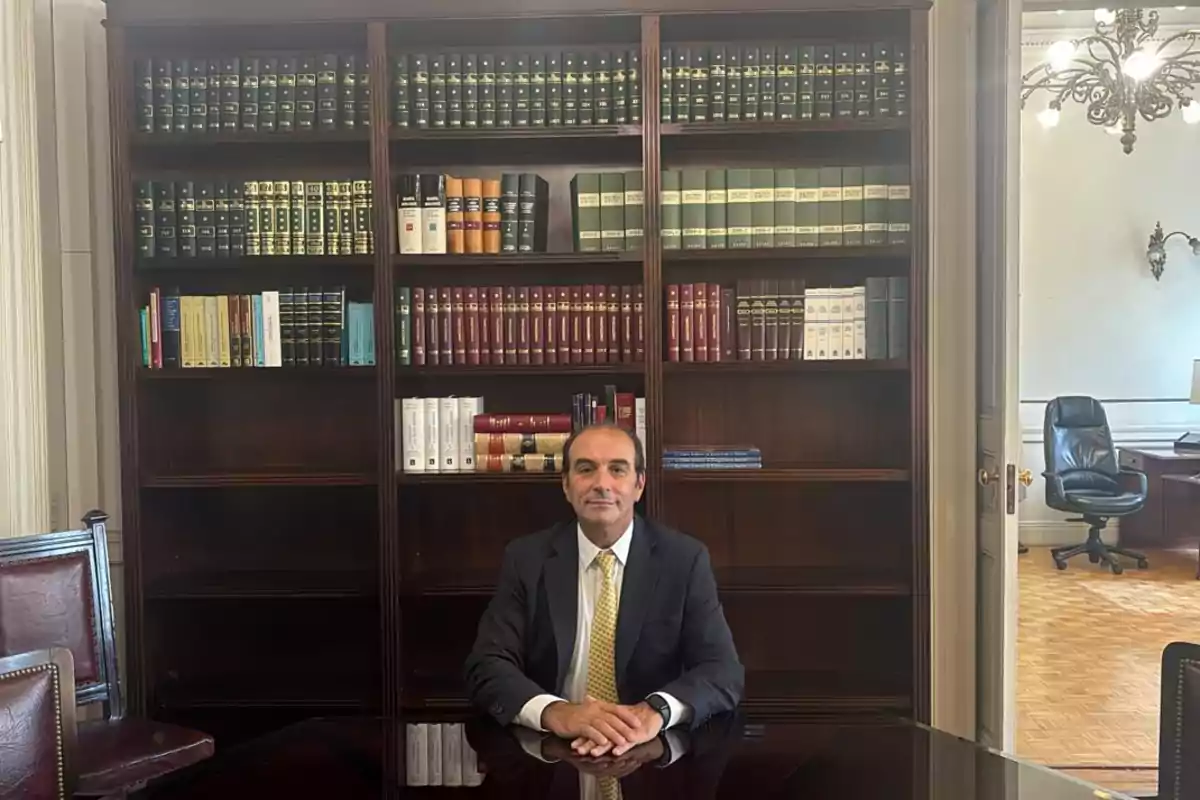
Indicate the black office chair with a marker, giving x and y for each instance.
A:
(1082, 477)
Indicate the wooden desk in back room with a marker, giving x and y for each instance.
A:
(1152, 526)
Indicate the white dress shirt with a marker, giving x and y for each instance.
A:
(590, 582)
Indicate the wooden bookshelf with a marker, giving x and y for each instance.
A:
(279, 561)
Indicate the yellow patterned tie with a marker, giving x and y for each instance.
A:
(602, 673)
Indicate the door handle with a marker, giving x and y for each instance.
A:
(1025, 477)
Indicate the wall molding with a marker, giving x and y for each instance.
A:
(1123, 435)
(1055, 533)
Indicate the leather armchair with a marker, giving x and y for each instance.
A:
(1179, 723)
(1082, 477)
(55, 592)
(37, 735)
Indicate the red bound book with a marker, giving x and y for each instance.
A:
(446, 318)
(600, 315)
(714, 322)
(627, 324)
(576, 325)
(496, 309)
(550, 307)
(700, 321)
(522, 423)
(523, 333)
(459, 302)
(728, 326)
(589, 324)
(537, 322)
(612, 315)
(485, 327)
(472, 320)
(625, 410)
(783, 342)
(673, 322)
(745, 288)
(639, 324)
(433, 351)
(686, 318)
(510, 325)
(565, 326)
(770, 319)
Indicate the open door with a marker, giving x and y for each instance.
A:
(999, 441)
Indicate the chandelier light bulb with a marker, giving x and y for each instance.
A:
(1105, 16)
(1140, 65)
(1113, 130)
(1060, 54)
(1191, 112)
(1048, 117)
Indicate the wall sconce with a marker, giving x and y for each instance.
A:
(1156, 251)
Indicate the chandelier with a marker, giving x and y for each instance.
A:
(1119, 74)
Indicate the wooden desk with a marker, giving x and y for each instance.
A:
(1148, 528)
(1181, 509)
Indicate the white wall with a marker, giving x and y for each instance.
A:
(1093, 319)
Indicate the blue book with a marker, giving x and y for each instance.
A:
(256, 326)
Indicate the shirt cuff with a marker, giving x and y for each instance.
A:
(530, 742)
(676, 747)
(531, 713)
(679, 712)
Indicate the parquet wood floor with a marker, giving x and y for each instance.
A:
(1089, 650)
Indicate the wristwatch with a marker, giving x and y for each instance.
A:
(659, 704)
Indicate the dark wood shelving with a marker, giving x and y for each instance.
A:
(791, 253)
(786, 475)
(235, 694)
(248, 263)
(218, 479)
(262, 584)
(256, 373)
(478, 477)
(472, 134)
(799, 365)
(216, 138)
(622, 368)
(793, 127)
(515, 260)
(790, 691)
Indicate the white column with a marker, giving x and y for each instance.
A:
(24, 481)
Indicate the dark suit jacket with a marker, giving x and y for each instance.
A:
(671, 630)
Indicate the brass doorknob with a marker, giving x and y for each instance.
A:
(1025, 477)
(986, 478)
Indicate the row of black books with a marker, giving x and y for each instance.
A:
(768, 319)
(718, 209)
(231, 219)
(289, 93)
(544, 88)
(306, 326)
(782, 82)
(447, 214)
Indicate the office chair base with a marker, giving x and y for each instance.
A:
(1097, 551)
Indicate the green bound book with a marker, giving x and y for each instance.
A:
(716, 83)
(570, 89)
(899, 204)
(852, 206)
(510, 193)
(681, 101)
(620, 85)
(762, 207)
(505, 85)
(487, 91)
(537, 90)
(587, 89)
(666, 85)
(633, 88)
(612, 212)
(875, 205)
(470, 90)
(585, 211)
(634, 210)
(806, 60)
(522, 85)
(454, 90)
(808, 196)
(829, 210)
(785, 83)
(766, 83)
(715, 200)
(554, 90)
(672, 221)
(602, 87)
(785, 208)
(750, 82)
(733, 83)
(693, 213)
(699, 85)
(739, 199)
(404, 325)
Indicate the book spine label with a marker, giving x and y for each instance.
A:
(496, 310)
(550, 324)
(899, 205)
(713, 306)
(716, 233)
(766, 83)
(693, 206)
(666, 84)
(576, 319)
(770, 320)
(700, 322)
(412, 435)
(750, 82)
(600, 323)
(739, 209)
(612, 211)
(733, 83)
(686, 320)
(823, 69)
(512, 326)
(566, 326)
(587, 212)
(633, 89)
(458, 311)
(762, 209)
(681, 91)
(785, 208)
(852, 206)
(830, 207)
(487, 92)
(524, 335)
(672, 210)
(881, 79)
(863, 66)
(716, 83)
(537, 326)
(613, 320)
(634, 204)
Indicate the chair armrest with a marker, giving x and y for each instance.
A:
(1143, 484)
(1054, 481)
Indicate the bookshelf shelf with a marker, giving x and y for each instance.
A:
(791, 254)
(281, 488)
(787, 475)
(515, 260)
(484, 134)
(759, 129)
(256, 373)
(790, 366)
(219, 479)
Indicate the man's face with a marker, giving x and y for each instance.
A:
(602, 484)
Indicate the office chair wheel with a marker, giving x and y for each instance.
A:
(1117, 569)
(1094, 558)
(1143, 563)
(1060, 563)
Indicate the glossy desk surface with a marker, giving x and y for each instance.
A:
(729, 757)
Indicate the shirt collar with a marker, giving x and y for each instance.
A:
(588, 551)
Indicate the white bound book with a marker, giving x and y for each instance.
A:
(432, 430)
(417, 766)
(452, 739)
(811, 323)
(448, 433)
(639, 420)
(412, 434)
(468, 407)
(435, 754)
(272, 351)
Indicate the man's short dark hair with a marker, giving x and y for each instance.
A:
(639, 453)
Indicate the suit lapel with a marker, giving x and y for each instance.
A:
(637, 588)
(562, 587)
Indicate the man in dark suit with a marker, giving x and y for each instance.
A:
(606, 630)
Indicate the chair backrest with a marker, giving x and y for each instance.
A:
(55, 592)
(37, 735)
(1179, 723)
(1077, 437)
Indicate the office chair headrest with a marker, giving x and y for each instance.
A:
(1079, 412)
